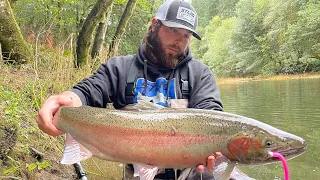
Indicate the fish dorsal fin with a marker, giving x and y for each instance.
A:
(73, 151)
(223, 168)
(142, 105)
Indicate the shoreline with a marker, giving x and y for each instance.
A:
(268, 78)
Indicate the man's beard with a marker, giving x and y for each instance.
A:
(154, 48)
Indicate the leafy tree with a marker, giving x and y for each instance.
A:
(301, 52)
(86, 34)
(280, 15)
(61, 17)
(245, 37)
(206, 9)
(99, 38)
(113, 49)
(219, 35)
(137, 26)
(13, 46)
(245, 47)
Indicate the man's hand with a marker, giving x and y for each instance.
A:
(51, 106)
(210, 163)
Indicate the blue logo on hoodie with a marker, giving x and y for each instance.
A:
(156, 92)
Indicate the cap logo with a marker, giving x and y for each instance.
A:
(187, 15)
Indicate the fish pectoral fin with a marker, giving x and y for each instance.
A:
(223, 168)
(73, 151)
(144, 171)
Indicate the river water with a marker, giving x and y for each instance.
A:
(289, 105)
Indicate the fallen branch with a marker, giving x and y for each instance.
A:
(9, 177)
(0, 53)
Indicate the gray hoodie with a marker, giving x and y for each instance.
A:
(108, 83)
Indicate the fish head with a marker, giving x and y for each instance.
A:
(253, 147)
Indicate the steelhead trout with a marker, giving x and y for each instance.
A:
(170, 138)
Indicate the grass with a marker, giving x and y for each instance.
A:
(23, 89)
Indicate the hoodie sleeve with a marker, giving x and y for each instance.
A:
(204, 92)
(103, 86)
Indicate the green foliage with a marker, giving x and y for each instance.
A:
(218, 33)
(265, 37)
(38, 165)
(206, 9)
(24, 90)
(61, 17)
(304, 39)
(137, 27)
(17, 166)
(240, 37)
(13, 109)
(15, 169)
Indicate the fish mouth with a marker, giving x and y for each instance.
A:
(290, 152)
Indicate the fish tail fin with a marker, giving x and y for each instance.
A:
(145, 172)
(73, 151)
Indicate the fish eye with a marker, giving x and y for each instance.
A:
(268, 143)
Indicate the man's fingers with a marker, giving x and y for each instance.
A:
(200, 169)
(64, 100)
(48, 127)
(46, 113)
(55, 102)
(217, 154)
(210, 163)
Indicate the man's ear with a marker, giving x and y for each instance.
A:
(154, 22)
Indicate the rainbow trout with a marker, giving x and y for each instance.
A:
(170, 138)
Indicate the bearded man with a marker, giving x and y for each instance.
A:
(163, 72)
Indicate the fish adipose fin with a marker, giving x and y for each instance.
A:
(145, 172)
(73, 151)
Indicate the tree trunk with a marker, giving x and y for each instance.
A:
(85, 35)
(14, 48)
(100, 36)
(113, 49)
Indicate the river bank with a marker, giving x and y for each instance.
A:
(267, 78)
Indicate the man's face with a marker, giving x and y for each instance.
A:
(170, 44)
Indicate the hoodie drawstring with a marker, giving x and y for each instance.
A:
(145, 75)
(168, 88)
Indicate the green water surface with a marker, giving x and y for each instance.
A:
(289, 105)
